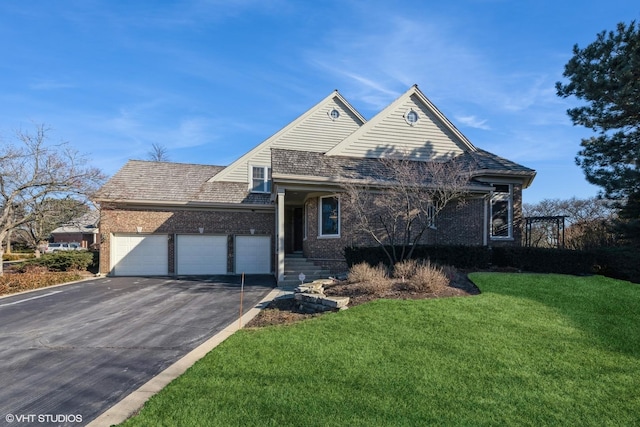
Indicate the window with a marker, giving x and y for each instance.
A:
(334, 114)
(501, 212)
(261, 179)
(329, 216)
(411, 117)
(431, 216)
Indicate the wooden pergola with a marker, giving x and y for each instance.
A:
(557, 223)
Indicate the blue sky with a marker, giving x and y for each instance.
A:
(210, 79)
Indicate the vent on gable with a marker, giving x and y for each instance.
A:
(411, 117)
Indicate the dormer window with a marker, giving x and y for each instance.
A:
(261, 179)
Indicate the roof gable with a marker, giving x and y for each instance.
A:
(314, 131)
(432, 136)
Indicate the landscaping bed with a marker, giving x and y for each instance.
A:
(284, 311)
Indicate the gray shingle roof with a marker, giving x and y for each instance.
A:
(147, 181)
(486, 161)
(302, 163)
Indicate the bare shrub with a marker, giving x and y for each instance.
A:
(17, 282)
(369, 280)
(427, 277)
(364, 272)
(405, 269)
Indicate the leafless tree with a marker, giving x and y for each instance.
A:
(34, 171)
(398, 206)
(158, 153)
(587, 223)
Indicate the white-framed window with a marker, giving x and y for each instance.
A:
(411, 117)
(334, 114)
(260, 179)
(329, 217)
(502, 212)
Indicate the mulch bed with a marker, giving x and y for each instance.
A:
(283, 311)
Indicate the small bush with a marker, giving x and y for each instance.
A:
(62, 261)
(405, 269)
(426, 277)
(18, 282)
(15, 256)
(369, 280)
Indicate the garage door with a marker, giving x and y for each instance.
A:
(253, 254)
(140, 255)
(198, 254)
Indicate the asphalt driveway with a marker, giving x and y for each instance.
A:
(68, 353)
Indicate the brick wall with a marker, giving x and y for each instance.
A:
(180, 221)
(457, 224)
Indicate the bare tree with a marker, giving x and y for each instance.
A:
(158, 153)
(51, 214)
(33, 172)
(404, 200)
(588, 222)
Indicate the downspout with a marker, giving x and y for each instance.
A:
(280, 234)
(486, 225)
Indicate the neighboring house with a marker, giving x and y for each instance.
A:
(283, 196)
(83, 231)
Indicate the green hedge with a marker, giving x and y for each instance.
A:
(62, 261)
(544, 260)
(459, 256)
(620, 263)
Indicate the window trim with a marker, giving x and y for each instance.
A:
(431, 216)
(321, 235)
(502, 196)
(411, 112)
(266, 181)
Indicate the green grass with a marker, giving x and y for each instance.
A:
(531, 350)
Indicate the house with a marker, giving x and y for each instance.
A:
(83, 230)
(283, 196)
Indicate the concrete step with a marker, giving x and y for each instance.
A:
(297, 261)
(294, 264)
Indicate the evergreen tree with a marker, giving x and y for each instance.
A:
(606, 74)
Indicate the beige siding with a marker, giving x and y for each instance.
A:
(429, 137)
(314, 131)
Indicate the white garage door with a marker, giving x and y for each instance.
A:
(253, 254)
(140, 255)
(198, 254)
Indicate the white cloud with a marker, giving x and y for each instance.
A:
(473, 121)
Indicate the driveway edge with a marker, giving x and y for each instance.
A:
(128, 406)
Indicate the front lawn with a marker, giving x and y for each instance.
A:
(530, 350)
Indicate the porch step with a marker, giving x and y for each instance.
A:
(294, 264)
